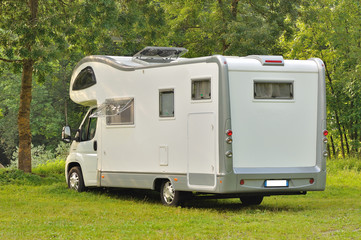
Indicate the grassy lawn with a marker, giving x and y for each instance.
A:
(43, 208)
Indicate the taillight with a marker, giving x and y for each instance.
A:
(229, 132)
(325, 133)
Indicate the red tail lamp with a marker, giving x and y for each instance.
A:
(312, 181)
(229, 132)
(241, 182)
(325, 133)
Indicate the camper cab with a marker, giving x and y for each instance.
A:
(244, 127)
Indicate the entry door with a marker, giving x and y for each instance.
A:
(201, 150)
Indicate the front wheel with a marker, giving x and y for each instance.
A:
(168, 195)
(75, 179)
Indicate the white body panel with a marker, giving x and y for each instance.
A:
(283, 129)
(137, 148)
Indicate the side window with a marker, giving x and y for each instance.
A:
(120, 111)
(85, 79)
(166, 103)
(201, 89)
(88, 128)
(273, 90)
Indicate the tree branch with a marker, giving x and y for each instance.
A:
(10, 60)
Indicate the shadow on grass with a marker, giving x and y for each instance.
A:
(220, 205)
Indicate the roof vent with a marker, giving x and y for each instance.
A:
(269, 60)
(159, 54)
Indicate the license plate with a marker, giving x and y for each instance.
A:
(276, 183)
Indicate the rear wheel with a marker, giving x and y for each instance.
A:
(75, 179)
(168, 195)
(251, 200)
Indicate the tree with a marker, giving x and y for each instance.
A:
(330, 29)
(21, 29)
(228, 27)
(32, 34)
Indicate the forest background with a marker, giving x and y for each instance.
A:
(41, 42)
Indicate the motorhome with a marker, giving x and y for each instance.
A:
(220, 126)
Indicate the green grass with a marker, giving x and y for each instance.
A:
(34, 207)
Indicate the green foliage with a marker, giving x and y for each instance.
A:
(227, 27)
(66, 31)
(17, 177)
(9, 103)
(330, 29)
(47, 173)
(339, 164)
(40, 156)
(54, 168)
(48, 110)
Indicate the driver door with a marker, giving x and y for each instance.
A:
(87, 149)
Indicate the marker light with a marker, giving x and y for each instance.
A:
(241, 182)
(312, 181)
(325, 133)
(229, 154)
(229, 132)
(325, 153)
(229, 140)
(325, 140)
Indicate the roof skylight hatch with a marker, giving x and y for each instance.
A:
(159, 54)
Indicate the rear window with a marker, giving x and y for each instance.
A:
(273, 90)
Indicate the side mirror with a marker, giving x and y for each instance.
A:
(66, 134)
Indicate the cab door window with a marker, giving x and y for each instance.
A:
(89, 127)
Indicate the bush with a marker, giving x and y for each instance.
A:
(51, 168)
(41, 156)
(333, 165)
(18, 177)
(48, 173)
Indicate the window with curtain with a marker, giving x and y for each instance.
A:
(166, 103)
(201, 89)
(273, 90)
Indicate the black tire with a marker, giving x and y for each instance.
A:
(75, 179)
(169, 196)
(251, 200)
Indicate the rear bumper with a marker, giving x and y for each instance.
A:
(251, 181)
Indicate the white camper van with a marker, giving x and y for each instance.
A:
(244, 127)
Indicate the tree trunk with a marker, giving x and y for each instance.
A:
(333, 147)
(346, 141)
(26, 96)
(24, 117)
(328, 75)
(341, 135)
